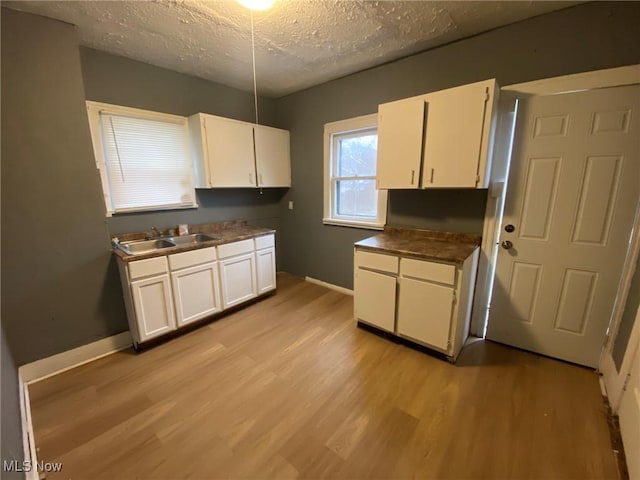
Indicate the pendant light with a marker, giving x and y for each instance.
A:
(255, 5)
(252, 5)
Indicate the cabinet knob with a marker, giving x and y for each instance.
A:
(413, 174)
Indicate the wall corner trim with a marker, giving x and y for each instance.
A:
(330, 286)
(61, 362)
(28, 441)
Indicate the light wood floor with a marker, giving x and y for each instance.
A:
(290, 388)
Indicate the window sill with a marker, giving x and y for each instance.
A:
(353, 224)
(150, 210)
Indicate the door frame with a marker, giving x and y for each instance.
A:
(501, 156)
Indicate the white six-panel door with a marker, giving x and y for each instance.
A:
(573, 189)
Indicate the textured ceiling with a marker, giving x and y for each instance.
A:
(298, 43)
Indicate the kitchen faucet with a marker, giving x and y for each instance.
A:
(153, 233)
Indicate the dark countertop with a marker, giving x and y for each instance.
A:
(227, 232)
(423, 244)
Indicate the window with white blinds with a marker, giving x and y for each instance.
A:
(143, 158)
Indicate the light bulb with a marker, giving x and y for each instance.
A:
(257, 4)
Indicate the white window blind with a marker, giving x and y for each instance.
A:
(147, 163)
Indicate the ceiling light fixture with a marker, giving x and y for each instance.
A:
(257, 4)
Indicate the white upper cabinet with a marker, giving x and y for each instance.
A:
(273, 160)
(400, 139)
(438, 140)
(231, 153)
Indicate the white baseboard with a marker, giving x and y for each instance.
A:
(46, 367)
(331, 286)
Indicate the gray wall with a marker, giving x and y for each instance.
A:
(61, 287)
(587, 37)
(63, 291)
(57, 277)
(121, 81)
(11, 425)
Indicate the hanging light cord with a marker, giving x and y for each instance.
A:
(253, 55)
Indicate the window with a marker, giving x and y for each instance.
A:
(143, 158)
(350, 195)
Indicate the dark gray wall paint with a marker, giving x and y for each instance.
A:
(57, 276)
(587, 37)
(121, 81)
(11, 425)
(628, 319)
(66, 292)
(112, 79)
(463, 209)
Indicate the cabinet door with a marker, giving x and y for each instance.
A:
(266, 267)
(196, 292)
(375, 299)
(400, 141)
(229, 146)
(273, 161)
(455, 132)
(424, 312)
(153, 306)
(238, 277)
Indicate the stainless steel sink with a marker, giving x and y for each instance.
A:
(138, 247)
(193, 238)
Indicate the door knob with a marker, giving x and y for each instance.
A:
(506, 244)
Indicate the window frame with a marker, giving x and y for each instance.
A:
(333, 132)
(94, 109)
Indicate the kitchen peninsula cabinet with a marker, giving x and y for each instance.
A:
(423, 295)
(438, 140)
(231, 153)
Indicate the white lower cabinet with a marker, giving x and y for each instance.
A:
(266, 263)
(153, 306)
(167, 292)
(418, 297)
(375, 299)
(196, 288)
(266, 270)
(197, 292)
(423, 301)
(238, 272)
(238, 279)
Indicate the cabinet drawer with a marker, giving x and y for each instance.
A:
(376, 261)
(192, 258)
(436, 272)
(265, 241)
(235, 248)
(147, 267)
